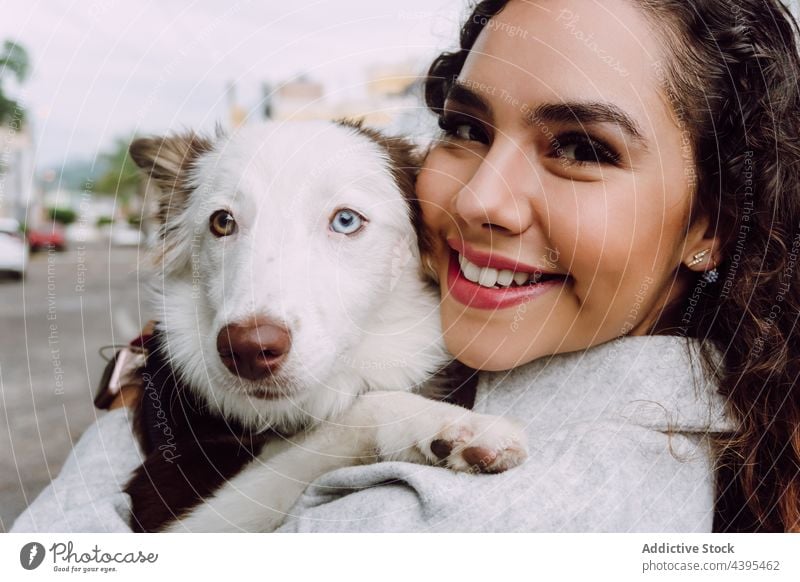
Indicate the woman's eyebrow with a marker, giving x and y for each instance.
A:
(568, 112)
(585, 113)
(463, 94)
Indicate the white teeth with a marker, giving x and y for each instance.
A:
(505, 277)
(521, 278)
(488, 277)
(471, 271)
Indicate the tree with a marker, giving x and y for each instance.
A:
(14, 62)
(65, 216)
(122, 177)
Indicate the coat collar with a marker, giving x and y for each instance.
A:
(653, 381)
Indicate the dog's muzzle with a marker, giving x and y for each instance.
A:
(253, 349)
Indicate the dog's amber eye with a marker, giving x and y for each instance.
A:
(222, 223)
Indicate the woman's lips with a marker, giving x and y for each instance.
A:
(473, 295)
(484, 259)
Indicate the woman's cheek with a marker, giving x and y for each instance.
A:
(444, 173)
(594, 249)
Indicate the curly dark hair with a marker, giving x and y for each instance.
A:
(732, 80)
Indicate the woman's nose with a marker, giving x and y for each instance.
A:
(497, 197)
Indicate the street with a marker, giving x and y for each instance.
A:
(53, 324)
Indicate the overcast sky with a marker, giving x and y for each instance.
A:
(106, 69)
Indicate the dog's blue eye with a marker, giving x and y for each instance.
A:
(347, 221)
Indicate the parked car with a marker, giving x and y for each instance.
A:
(14, 249)
(50, 235)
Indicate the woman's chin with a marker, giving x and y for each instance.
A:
(494, 340)
(491, 363)
(474, 353)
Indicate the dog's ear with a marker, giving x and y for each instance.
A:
(166, 161)
(405, 160)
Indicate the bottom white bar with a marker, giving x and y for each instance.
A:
(406, 557)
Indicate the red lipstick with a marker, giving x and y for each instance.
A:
(484, 259)
(473, 295)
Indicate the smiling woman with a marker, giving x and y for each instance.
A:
(547, 152)
(649, 185)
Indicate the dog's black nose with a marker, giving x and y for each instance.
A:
(255, 348)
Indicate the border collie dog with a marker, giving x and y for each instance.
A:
(296, 324)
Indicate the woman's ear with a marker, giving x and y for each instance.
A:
(702, 251)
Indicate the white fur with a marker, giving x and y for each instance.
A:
(360, 315)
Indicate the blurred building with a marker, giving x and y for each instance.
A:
(19, 197)
(297, 99)
(388, 95)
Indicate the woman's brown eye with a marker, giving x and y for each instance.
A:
(222, 223)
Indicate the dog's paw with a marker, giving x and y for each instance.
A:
(410, 428)
(477, 443)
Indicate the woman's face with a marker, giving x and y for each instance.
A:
(561, 157)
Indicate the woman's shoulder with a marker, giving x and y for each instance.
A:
(658, 382)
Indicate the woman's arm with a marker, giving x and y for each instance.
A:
(87, 494)
(596, 477)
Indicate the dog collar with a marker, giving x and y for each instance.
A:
(121, 368)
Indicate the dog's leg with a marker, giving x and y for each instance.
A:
(380, 425)
(418, 430)
(258, 498)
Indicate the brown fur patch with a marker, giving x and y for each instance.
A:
(166, 161)
(405, 162)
